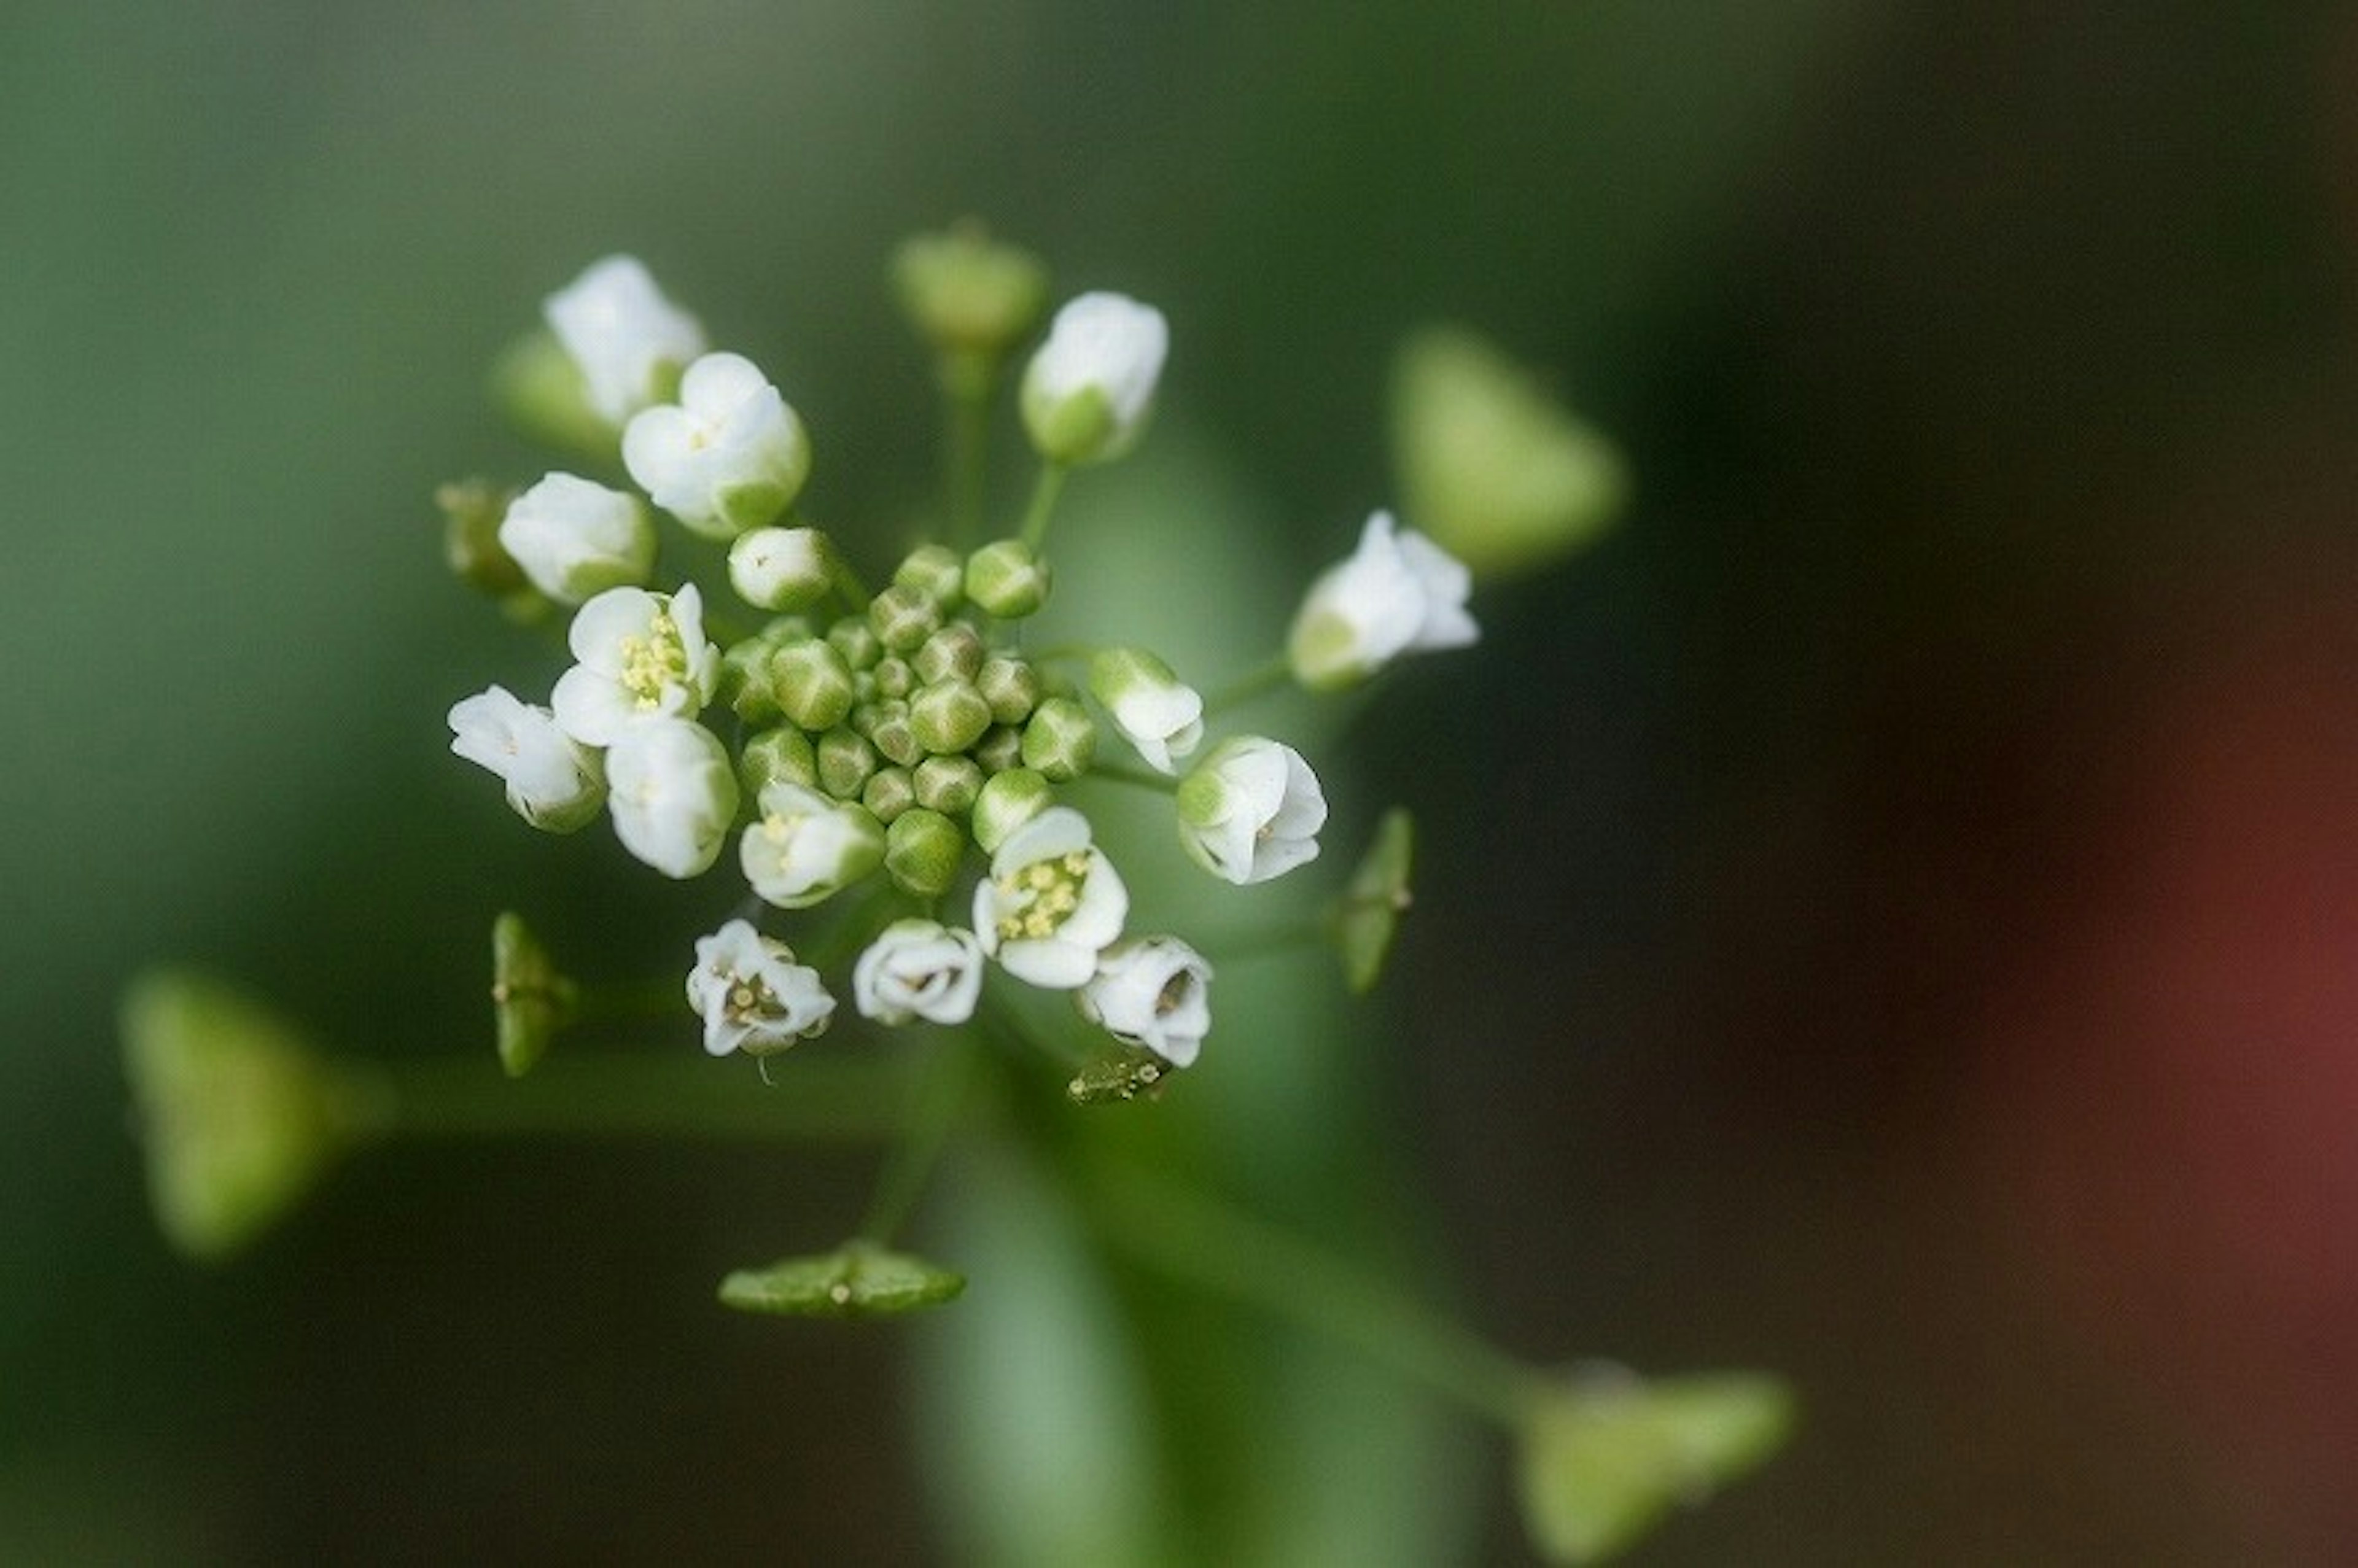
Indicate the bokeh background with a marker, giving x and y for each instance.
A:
(1889, 912)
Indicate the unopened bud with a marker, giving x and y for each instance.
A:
(923, 849)
(845, 761)
(1060, 740)
(948, 785)
(935, 571)
(1008, 801)
(888, 793)
(780, 568)
(1006, 579)
(948, 717)
(902, 618)
(954, 652)
(812, 684)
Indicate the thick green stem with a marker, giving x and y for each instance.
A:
(613, 1096)
(1180, 1233)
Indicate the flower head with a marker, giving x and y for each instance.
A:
(1153, 992)
(643, 656)
(574, 538)
(1088, 390)
(1251, 810)
(729, 456)
(919, 968)
(625, 337)
(553, 782)
(808, 846)
(1160, 715)
(752, 994)
(1051, 903)
(1399, 592)
(673, 794)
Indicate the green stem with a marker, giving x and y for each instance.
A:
(1187, 1237)
(938, 1098)
(1257, 682)
(1137, 778)
(1050, 484)
(841, 574)
(614, 1095)
(968, 456)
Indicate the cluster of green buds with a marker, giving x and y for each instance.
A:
(901, 749)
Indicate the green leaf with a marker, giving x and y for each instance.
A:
(1605, 1458)
(856, 1279)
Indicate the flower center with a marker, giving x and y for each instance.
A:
(655, 661)
(1044, 895)
(1175, 993)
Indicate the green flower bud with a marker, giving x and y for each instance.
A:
(745, 685)
(845, 761)
(902, 618)
(1011, 685)
(239, 1117)
(471, 512)
(857, 1279)
(1006, 579)
(541, 388)
(949, 716)
(780, 568)
(1001, 748)
(888, 793)
(812, 683)
(1060, 740)
(856, 640)
(784, 754)
(895, 678)
(1008, 801)
(1367, 916)
(937, 572)
(967, 295)
(1089, 389)
(530, 1000)
(948, 785)
(1494, 470)
(887, 727)
(923, 849)
(954, 652)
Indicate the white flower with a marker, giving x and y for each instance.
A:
(729, 456)
(1153, 992)
(1396, 594)
(1089, 389)
(553, 782)
(807, 846)
(574, 538)
(1251, 810)
(673, 794)
(1051, 903)
(624, 335)
(919, 968)
(643, 656)
(752, 994)
(1158, 715)
(780, 568)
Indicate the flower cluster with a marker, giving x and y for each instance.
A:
(904, 741)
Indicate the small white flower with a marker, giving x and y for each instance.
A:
(807, 846)
(729, 456)
(574, 538)
(673, 794)
(624, 335)
(1251, 810)
(553, 782)
(1157, 714)
(752, 994)
(780, 568)
(919, 968)
(1399, 592)
(1052, 902)
(643, 656)
(1087, 391)
(1154, 992)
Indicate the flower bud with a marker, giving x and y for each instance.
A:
(627, 340)
(894, 679)
(1153, 992)
(845, 760)
(948, 785)
(812, 683)
(1087, 391)
(902, 618)
(967, 295)
(744, 686)
(780, 568)
(1060, 740)
(937, 572)
(803, 846)
(922, 851)
(728, 456)
(1251, 811)
(1006, 579)
(1011, 687)
(576, 539)
(1001, 748)
(553, 780)
(954, 652)
(857, 641)
(886, 725)
(472, 510)
(1158, 715)
(947, 717)
(780, 755)
(1395, 594)
(918, 969)
(1007, 801)
(888, 793)
(671, 795)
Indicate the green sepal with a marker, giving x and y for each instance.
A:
(531, 1000)
(538, 386)
(856, 1279)
(1122, 1074)
(1603, 1458)
(1364, 920)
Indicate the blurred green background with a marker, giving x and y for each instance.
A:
(1896, 929)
